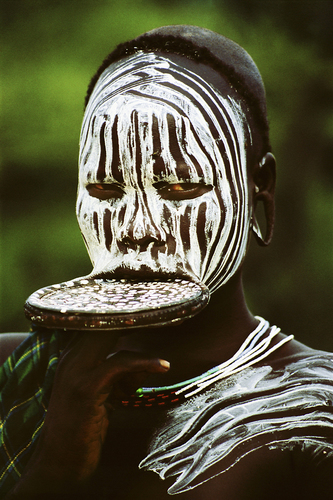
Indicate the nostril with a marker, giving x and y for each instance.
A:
(127, 243)
(142, 243)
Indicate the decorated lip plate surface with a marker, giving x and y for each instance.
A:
(99, 303)
(111, 296)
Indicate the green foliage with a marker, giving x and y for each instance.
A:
(50, 50)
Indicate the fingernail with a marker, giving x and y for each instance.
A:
(165, 364)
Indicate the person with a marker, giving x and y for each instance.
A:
(174, 159)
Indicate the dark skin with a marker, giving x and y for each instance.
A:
(79, 414)
(78, 418)
(84, 440)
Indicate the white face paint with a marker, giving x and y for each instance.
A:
(163, 178)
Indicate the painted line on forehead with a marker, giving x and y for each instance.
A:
(124, 87)
(213, 166)
(133, 67)
(202, 88)
(83, 144)
(231, 137)
(102, 156)
(97, 101)
(175, 148)
(210, 96)
(157, 145)
(193, 159)
(188, 84)
(111, 78)
(159, 164)
(115, 168)
(180, 112)
(149, 63)
(148, 67)
(225, 125)
(138, 150)
(192, 77)
(87, 131)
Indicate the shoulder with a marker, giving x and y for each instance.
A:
(8, 343)
(296, 352)
(296, 472)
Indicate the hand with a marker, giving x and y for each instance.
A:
(76, 422)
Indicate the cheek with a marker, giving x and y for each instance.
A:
(95, 220)
(168, 223)
(121, 215)
(96, 226)
(185, 225)
(204, 231)
(211, 222)
(107, 228)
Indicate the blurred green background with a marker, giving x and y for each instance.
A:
(50, 50)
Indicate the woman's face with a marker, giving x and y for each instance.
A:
(163, 185)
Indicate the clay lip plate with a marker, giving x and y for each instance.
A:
(102, 303)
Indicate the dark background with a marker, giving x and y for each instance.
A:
(50, 49)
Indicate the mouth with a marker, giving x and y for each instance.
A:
(142, 274)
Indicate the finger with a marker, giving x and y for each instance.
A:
(132, 361)
(127, 385)
(126, 362)
(91, 347)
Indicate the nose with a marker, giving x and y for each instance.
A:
(140, 230)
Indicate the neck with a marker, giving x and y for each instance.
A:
(200, 343)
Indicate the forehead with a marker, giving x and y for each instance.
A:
(150, 110)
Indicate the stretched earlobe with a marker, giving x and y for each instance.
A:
(264, 178)
(263, 242)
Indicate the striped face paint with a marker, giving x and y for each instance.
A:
(162, 174)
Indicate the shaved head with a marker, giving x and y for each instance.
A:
(204, 46)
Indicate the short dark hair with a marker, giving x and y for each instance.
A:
(216, 51)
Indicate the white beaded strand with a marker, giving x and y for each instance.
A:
(248, 358)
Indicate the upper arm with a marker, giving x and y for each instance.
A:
(8, 343)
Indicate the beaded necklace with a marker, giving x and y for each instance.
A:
(255, 348)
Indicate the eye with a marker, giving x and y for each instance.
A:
(181, 191)
(105, 191)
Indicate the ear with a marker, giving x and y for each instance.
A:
(264, 178)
